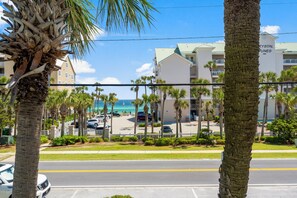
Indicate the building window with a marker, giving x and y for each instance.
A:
(66, 75)
(59, 73)
(1, 70)
(66, 64)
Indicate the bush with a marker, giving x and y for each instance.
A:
(284, 129)
(276, 140)
(204, 141)
(149, 143)
(43, 139)
(133, 139)
(163, 142)
(220, 141)
(68, 140)
(95, 139)
(121, 196)
(141, 125)
(48, 124)
(126, 139)
(157, 124)
(106, 140)
(185, 140)
(116, 138)
(147, 138)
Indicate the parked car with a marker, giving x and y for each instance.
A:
(93, 123)
(101, 117)
(167, 129)
(141, 116)
(6, 182)
(116, 114)
(99, 129)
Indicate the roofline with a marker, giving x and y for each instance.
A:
(179, 56)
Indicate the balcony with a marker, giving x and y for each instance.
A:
(193, 72)
(290, 61)
(220, 61)
(216, 73)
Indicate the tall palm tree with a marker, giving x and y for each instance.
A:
(153, 100)
(96, 95)
(164, 89)
(136, 103)
(218, 100)
(289, 101)
(207, 111)
(266, 78)
(104, 99)
(178, 95)
(197, 92)
(37, 34)
(183, 104)
(211, 66)
(112, 100)
(242, 32)
(145, 102)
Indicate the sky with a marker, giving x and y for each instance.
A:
(119, 62)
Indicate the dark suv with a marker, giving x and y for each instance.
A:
(141, 116)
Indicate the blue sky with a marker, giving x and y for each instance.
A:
(121, 62)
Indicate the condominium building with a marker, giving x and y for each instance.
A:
(187, 61)
(63, 73)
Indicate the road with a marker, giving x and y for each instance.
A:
(188, 178)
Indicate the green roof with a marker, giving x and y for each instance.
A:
(288, 47)
(162, 53)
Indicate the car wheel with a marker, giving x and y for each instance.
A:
(95, 125)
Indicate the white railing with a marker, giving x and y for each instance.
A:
(290, 61)
(219, 61)
(216, 73)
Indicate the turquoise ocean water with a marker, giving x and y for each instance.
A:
(122, 106)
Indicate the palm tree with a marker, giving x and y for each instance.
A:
(242, 32)
(63, 107)
(207, 110)
(97, 94)
(112, 100)
(218, 100)
(104, 99)
(289, 101)
(177, 94)
(145, 102)
(164, 89)
(37, 34)
(135, 88)
(266, 78)
(211, 66)
(197, 92)
(183, 104)
(153, 100)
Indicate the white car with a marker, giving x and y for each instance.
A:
(6, 182)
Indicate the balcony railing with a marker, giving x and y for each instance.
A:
(219, 61)
(290, 61)
(193, 71)
(216, 73)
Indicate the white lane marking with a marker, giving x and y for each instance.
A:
(75, 192)
(194, 193)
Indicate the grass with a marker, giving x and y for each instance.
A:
(6, 149)
(140, 147)
(57, 157)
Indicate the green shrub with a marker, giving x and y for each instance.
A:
(204, 141)
(275, 140)
(43, 139)
(262, 138)
(157, 124)
(285, 129)
(98, 139)
(220, 141)
(147, 138)
(121, 196)
(116, 138)
(126, 139)
(106, 140)
(184, 140)
(163, 142)
(58, 141)
(48, 124)
(68, 140)
(149, 142)
(133, 139)
(141, 125)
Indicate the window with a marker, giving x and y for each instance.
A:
(66, 75)
(59, 72)
(1, 70)
(66, 64)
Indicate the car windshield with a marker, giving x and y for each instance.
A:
(8, 174)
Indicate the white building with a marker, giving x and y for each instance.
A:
(187, 60)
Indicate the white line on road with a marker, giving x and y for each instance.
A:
(74, 194)
(194, 193)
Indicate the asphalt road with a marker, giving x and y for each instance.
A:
(182, 178)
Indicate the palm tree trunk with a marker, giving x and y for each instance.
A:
(242, 32)
(180, 124)
(146, 119)
(162, 115)
(221, 120)
(111, 119)
(199, 116)
(136, 118)
(264, 113)
(27, 148)
(63, 126)
(153, 116)
(176, 121)
(207, 118)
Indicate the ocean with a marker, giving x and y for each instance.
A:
(121, 106)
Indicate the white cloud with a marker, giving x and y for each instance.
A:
(82, 66)
(110, 80)
(145, 70)
(270, 29)
(86, 80)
